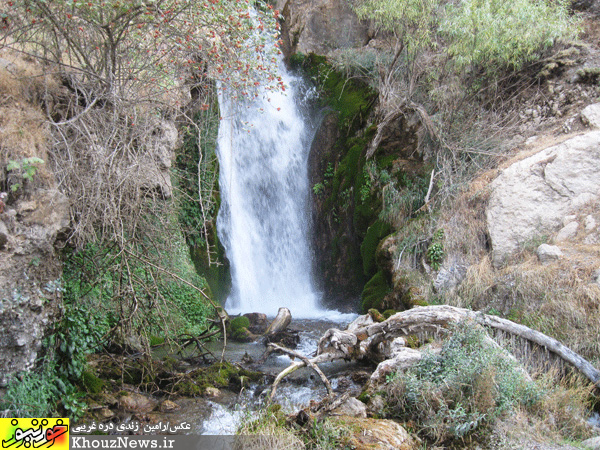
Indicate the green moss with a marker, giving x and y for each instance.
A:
(412, 341)
(223, 375)
(368, 248)
(374, 292)
(364, 397)
(156, 340)
(389, 313)
(91, 383)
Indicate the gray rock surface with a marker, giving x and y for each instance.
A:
(531, 197)
(30, 271)
(569, 231)
(591, 115)
(548, 253)
(319, 26)
(351, 407)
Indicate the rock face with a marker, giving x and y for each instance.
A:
(532, 196)
(376, 434)
(30, 271)
(321, 26)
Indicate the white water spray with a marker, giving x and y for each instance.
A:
(263, 221)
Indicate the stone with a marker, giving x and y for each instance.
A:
(532, 196)
(212, 392)
(352, 408)
(450, 275)
(589, 223)
(596, 276)
(567, 232)
(402, 360)
(547, 253)
(319, 26)
(168, 406)
(378, 434)
(132, 401)
(154, 169)
(28, 261)
(590, 115)
(592, 443)
(258, 322)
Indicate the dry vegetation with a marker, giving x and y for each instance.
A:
(23, 130)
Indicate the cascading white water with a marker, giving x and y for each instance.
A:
(263, 221)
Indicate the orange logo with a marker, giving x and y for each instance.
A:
(35, 433)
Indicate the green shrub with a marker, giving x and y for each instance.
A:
(464, 388)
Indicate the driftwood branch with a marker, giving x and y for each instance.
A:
(304, 361)
(362, 339)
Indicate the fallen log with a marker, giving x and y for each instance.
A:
(336, 344)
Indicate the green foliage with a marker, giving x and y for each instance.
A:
(435, 251)
(91, 383)
(374, 292)
(26, 169)
(410, 20)
(318, 189)
(100, 282)
(31, 394)
(464, 388)
(497, 33)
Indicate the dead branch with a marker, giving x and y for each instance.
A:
(304, 362)
(362, 341)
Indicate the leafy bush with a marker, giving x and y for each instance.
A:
(463, 388)
(497, 33)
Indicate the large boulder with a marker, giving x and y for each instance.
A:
(531, 197)
(319, 26)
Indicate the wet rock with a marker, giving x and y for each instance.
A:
(352, 408)
(287, 338)
(547, 253)
(212, 392)
(258, 322)
(134, 402)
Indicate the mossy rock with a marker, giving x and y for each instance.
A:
(223, 375)
(91, 383)
(374, 292)
(368, 248)
(238, 323)
(376, 315)
(389, 313)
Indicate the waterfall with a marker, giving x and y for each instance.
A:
(263, 222)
